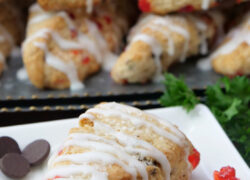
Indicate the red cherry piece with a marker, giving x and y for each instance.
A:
(85, 60)
(108, 19)
(238, 1)
(99, 25)
(124, 81)
(76, 52)
(71, 15)
(188, 8)
(60, 152)
(56, 177)
(216, 175)
(194, 158)
(144, 5)
(225, 173)
(239, 73)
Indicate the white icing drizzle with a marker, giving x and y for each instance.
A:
(157, 51)
(167, 22)
(235, 38)
(157, 23)
(205, 4)
(22, 74)
(219, 20)
(68, 68)
(89, 6)
(202, 27)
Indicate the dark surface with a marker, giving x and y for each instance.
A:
(14, 165)
(8, 145)
(36, 152)
(98, 85)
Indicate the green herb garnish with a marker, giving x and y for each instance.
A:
(230, 105)
(177, 93)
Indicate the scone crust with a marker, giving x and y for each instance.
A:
(64, 4)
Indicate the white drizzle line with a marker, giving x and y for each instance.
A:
(68, 68)
(89, 6)
(205, 4)
(235, 38)
(138, 120)
(157, 51)
(157, 24)
(202, 27)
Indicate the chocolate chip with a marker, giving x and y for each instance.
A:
(14, 165)
(36, 152)
(8, 145)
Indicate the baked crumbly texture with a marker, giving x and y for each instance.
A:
(167, 6)
(11, 30)
(119, 142)
(232, 57)
(156, 42)
(64, 48)
(68, 4)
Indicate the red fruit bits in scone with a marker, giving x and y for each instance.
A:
(144, 5)
(194, 158)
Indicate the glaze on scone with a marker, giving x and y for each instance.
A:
(167, 6)
(232, 58)
(118, 142)
(156, 42)
(11, 30)
(63, 48)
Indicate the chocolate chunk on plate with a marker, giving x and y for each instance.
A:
(14, 165)
(36, 152)
(8, 145)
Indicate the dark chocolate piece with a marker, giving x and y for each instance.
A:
(14, 165)
(8, 145)
(36, 152)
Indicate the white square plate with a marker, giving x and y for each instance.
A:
(200, 126)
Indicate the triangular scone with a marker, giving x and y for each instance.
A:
(63, 48)
(11, 30)
(119, 142)
(156, 42)
(167, 6)
(232, 58)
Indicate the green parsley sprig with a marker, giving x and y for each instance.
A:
(230, 105)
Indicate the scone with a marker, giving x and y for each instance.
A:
(11, 30)
(156, 42)
(118, 142)
(63, 48)
(167, 6)
(233, 56)
(68, 4)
